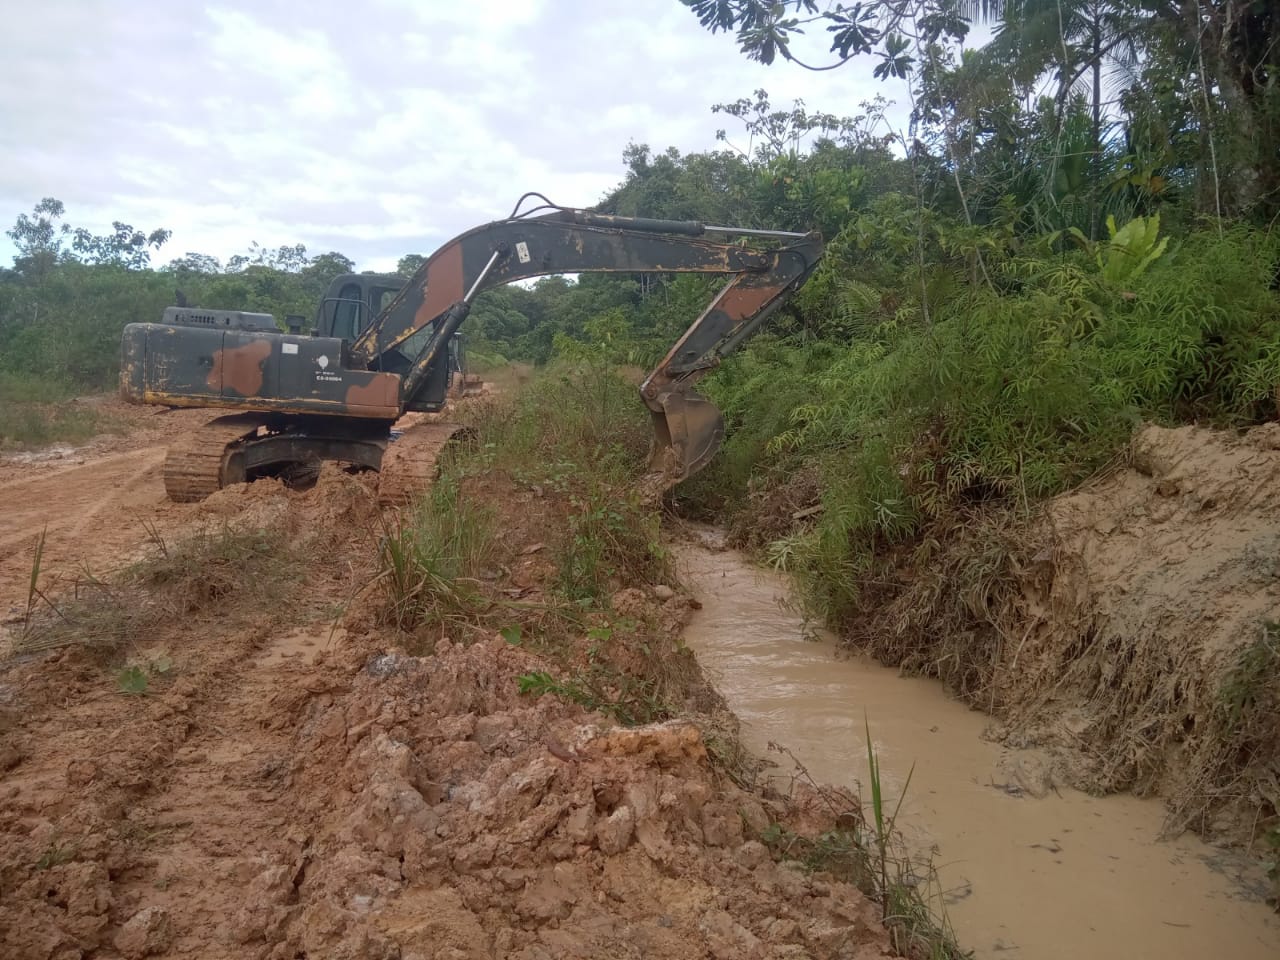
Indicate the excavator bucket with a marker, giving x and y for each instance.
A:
(686, 435)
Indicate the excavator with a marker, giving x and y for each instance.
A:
(381, 347)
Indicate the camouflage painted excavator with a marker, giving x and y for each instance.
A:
(381, 348)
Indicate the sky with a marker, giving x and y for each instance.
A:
(375, 129)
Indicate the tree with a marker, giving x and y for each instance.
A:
(322, 269)
(1073, 41)
(774, 132)
(195, 263)
(290, 259)
(39, 238)
(1233, 49)
(409, 264)
(766, 30)
(124, 246)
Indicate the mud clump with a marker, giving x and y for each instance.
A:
(472, 822)
(146, 933)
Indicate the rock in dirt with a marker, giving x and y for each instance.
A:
(146, 933)
(10, 757)
(614, 834)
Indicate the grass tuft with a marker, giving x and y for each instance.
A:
(431, 563)
(871, 855)
(207, 573)
(612, 540)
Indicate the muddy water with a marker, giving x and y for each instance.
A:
(1064, 875)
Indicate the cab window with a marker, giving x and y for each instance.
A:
(347, 319)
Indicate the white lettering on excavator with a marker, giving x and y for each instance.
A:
(522, 251)
(323, 363)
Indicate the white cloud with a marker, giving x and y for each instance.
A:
(375, 129)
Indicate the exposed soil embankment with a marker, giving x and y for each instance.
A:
(276, 787)
(1126, 624)
(1141, 641)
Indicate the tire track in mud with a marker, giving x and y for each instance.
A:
(225, 813)
(72, 497)
(91, 503)
(170, 802)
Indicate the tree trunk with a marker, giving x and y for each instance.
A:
(1096, 66)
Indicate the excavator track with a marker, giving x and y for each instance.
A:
(412, 462)
(196, 467)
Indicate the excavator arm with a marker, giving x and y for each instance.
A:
(688, 429)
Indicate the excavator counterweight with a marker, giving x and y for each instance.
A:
(383, 346)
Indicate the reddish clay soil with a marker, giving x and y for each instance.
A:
(91, 502)
(301, 782)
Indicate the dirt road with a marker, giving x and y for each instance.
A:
(93, 504)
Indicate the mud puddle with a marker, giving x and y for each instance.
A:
(1024, 868)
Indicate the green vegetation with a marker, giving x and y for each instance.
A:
(578, 432)
(135, 679)
(55, 854)
(557, 465)
(1009, 393)
(431, 561)
(35, 413)
(634, 702)
(872, 856)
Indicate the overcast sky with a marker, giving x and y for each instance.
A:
(375, 128)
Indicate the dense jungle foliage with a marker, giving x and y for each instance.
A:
(1072, 233)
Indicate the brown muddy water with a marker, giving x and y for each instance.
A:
(1023, 869)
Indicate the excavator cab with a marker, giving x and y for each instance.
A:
(351, 305)
(353, 301)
